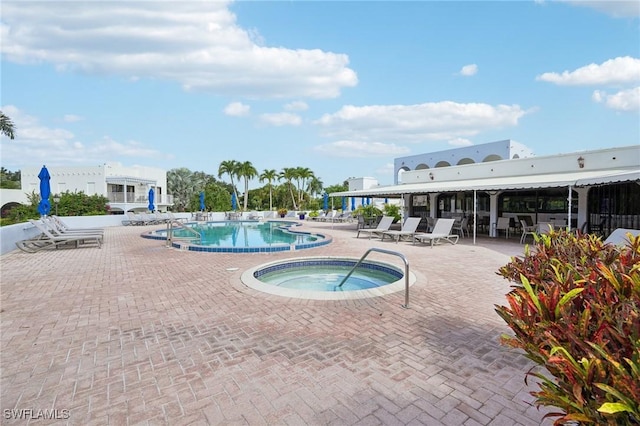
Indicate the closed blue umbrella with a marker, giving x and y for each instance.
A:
(325, 201)
(368, 201)
(386, 201)
(201, 201)
(234, 202)
(353, 203)
(151, 196)
(344, 203)
(44, 207)
(362, 201)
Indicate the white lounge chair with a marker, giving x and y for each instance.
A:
(64, 227)
(47, 240)
(441, 232)
(59, 230)
(383, 225)
(329, 216)
(409, 229)
(619, 237)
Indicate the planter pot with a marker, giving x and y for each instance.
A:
(282, 216)
(301, 217)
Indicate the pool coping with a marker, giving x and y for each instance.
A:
(248, 279)
(286, 225)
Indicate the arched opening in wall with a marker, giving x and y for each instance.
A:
(465, 161)
(443, 164)
(6, 209)
(421, 166)
(400, 172)
(492, 157)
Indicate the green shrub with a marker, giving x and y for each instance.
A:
(369, 211)
(576, 311)
(392, 210)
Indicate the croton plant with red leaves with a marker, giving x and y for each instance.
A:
(574, 308)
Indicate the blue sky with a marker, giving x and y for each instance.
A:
(339, 87)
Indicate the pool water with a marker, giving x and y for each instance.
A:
(245, 234)
(327, 278)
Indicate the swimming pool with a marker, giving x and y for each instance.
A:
(319, 278)
(242, 237)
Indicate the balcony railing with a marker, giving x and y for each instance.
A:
(132, 198)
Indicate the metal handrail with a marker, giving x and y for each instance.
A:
(179, 224)
(395, 253)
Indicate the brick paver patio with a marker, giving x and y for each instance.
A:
(136, 333)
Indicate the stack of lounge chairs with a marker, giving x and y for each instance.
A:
(56, 234)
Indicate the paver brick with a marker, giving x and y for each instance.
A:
(135, 333)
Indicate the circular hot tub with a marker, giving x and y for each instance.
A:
(325, 278)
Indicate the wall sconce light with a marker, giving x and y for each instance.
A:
(581, 162)
(431, 175)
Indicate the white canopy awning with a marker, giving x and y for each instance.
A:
(127, 180)
(549, 180)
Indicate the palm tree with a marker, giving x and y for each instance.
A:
(182, 183)
(229, 167)
(288, 174)
(247, 171)
(314, 187)
(6, 126)
(269, 175)
(304, 174)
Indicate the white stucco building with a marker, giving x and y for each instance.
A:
(595, 190)
(127, 188)
(493, 151)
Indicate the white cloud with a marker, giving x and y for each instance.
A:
(460, 142)
(614, 71)
(237, 109)
(197, 44)
(36, 143)
(625, 100)
(386, 170)
(71, 118)
(281, 119)
(360, 149)
(417, 123)
(469, 70)
(617, 9)
(296, 106)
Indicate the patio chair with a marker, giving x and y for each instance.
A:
(441, 232)
(503, 224)
(620, 236)
(65, 228)
(55, 228)
(383, 225)
(409, 228)
(330, 216)
(527, 230)
(461, 226)
(47, 240)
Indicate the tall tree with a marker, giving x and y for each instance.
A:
(303, 175)
(269, 175)
(230, 168)
(246, 171)
(314, 187)
(288, 174)
(181, 183)
(6, 126)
